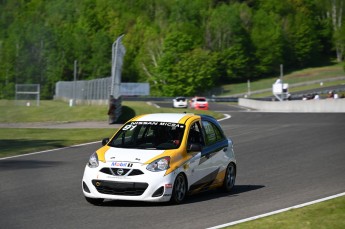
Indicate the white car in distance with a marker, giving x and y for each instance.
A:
(180, 102)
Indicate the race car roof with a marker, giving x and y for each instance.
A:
(164, 117)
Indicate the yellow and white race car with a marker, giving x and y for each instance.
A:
(161, 157)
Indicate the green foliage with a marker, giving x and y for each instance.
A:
(226, 27)
(267, 37)
(194, 74)
(174, 47)
(40, 40)
(304, 44)
(234, 63)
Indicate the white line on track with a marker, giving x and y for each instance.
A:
(153, 104)
(227, 116)
(278, 211)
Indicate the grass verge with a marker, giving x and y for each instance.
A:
(328, 214)
(58, 111)
(21, 141)
(305, 75)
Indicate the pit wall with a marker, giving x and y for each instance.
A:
(324, 105)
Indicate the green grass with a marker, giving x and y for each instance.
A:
(302, 88)
(58, 111)
(50, 111)
(20, 141)
(328, 214)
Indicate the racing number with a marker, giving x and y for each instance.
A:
(129, 127)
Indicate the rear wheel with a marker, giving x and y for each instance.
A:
(230, 177)
(179, 189)
(94, 201)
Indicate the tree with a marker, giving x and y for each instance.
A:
(333, 11)
(224, 28)
(267, 38)
(227, 35)
(301, 34)
(235, 64)
(174, 46)
(39, 40)
(193, 75)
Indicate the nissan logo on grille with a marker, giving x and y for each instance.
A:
(120, 172)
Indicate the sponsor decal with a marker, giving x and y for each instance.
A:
(168, 185)
(131, 126)
(118, 177)
(121, 164)
(171, 124)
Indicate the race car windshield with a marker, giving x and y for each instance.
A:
(149, 135)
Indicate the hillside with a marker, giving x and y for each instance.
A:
(300, 80)
(179, 47)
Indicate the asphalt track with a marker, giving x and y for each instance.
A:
(284, 159)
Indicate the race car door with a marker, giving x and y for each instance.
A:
(215, 151)
(202, 169)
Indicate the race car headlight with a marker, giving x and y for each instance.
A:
(158, 165)
(93, 161)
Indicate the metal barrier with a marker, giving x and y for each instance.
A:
(97, 90)
(27, 93)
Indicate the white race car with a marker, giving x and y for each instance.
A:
(161, 157)
(180, 102)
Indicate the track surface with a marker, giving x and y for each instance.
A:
(283, 160)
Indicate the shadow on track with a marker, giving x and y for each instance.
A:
(200, 197)
(217, 193)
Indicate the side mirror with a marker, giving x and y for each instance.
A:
(105, 141)
(194, 147)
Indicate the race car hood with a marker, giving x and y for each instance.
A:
(131, 155)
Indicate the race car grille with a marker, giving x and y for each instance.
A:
(120, 188)
(121, 172)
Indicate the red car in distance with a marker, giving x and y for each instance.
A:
(198, 103)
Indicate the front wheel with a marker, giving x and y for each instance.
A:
(179, 189)
(94, 201)
(230, 177)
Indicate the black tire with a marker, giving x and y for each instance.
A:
(179, 190)
(230, 177)
(94, 201)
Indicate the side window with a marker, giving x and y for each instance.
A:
(210, 136)
(218, 133)
(195, 135)
(213, 134)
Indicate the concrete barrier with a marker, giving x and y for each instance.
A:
(324, 105)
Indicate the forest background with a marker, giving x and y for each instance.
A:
(181, 47)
